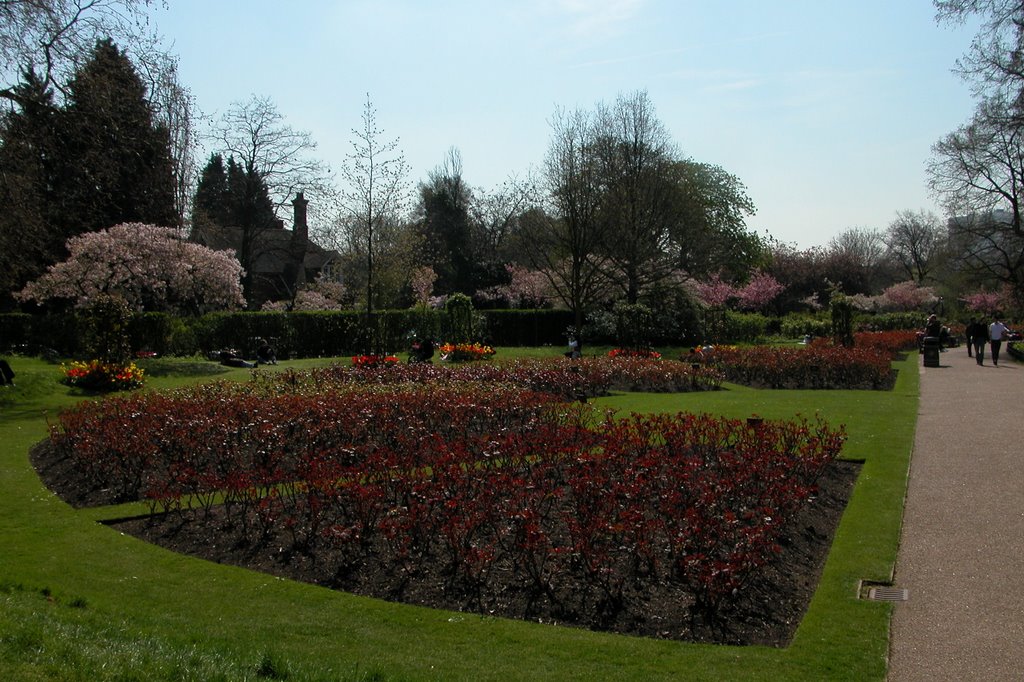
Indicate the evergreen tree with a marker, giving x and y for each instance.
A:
(117, 160)
(92, 162)
(251, 210)
(248, 200)
(234, 202)
(210, 204)
(28, 150)
(447, 230)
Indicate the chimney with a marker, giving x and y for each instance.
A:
(296, 271)
(300, 227)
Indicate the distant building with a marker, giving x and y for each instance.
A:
(987, 220)
(983, 236)
(281, 260)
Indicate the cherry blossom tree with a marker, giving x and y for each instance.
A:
(906, 296)
(715, 292)
(526, 289)
(422, 283)
(761, 290)
(987, 302)
(305, 300)
(150, 267)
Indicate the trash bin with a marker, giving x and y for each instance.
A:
(930, 351)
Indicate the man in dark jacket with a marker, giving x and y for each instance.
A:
(976, 333)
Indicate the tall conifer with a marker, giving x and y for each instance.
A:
(118, 160)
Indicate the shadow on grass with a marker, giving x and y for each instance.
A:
(159, 367)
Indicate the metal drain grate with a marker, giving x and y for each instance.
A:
(888, 594)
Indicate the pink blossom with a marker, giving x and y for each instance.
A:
(986, 302)
(150, 267)
(714, 292)
(907, 296)
(527, 288)
(422, 283)
(761, 290)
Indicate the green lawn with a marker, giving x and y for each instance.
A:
(78, 600)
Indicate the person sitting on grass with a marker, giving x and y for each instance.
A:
(6, 374)
(422, 350)
(265, 353)
(229, 357)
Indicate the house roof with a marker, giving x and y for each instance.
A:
(272, 248)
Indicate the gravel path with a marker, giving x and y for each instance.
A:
(961, 555)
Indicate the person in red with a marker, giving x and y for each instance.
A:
(997, 331)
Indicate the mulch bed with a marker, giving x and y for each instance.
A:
(765, 612)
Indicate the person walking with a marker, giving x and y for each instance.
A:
(977, 335)
(996, 332)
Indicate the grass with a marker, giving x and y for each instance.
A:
(77, 596)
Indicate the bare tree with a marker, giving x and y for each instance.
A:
(864, 251)
(54, 37)
(497, 213)
(565, 241)
(642, 202)
(174, 107)
(915, 241)
(978, 172)
(255, 135)
(376, 193)
(995, 60)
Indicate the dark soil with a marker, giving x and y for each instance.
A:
(765, 612)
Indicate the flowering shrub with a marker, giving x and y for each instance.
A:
(465, 352)
(368, 361)
(634, 353)
(102, 376)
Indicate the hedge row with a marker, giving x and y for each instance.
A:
(302, 334)
(333, 333)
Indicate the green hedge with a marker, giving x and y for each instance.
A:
(301, 334)
(526, 327)
(795, 326)
(891, 321)
(39, 333)
(743, 327)
(15, 330)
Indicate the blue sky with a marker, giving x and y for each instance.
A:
(825, 109)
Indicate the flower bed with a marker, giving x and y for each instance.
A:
(568, 379)
(102, 376)
(892, 342)
(819, 365)
(465, 352)
(500, 488)
(371, 361)
(645, 353)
